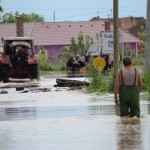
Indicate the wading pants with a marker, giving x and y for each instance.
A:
(129, 101)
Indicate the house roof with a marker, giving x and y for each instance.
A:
(60, 33)
(132, 24)
(129, 24)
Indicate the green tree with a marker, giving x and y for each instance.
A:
(8, 18)
(44, 60)
(33, 17)
(64, 55)
(88, 42)
(73, 48)
(81, 44)
(84, 43)
(1, 9)
(141, 34)
(11, 18)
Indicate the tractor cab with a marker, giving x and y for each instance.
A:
(18, 60)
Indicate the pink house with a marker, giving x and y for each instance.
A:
(53, 36)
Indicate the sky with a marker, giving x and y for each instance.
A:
(77, 10)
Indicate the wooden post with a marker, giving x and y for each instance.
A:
(147, 41)
(115, 33)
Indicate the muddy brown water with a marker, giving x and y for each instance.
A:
(68, 120)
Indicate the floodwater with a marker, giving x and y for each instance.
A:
(68, 120)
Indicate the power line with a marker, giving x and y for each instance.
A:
(67, 17)
(102, 11)
(64, 9)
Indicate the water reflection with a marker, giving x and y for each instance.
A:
(102, 110)
(87, 127)
(114, 109)
(28, 113)
(17, 113)
(148, 107)
(129, 135)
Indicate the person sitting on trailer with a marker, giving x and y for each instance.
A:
(72, 64)
(80, 62)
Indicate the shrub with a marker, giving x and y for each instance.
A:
(146, 83)
(111, 82)
(129, 53)
(44, 61)
(60, 66)
(138, 61)
(98, 84)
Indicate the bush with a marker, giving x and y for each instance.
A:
(146, 83)
(45, 66)
(138, 61)
(98, 83)
(111, 83)
(60, 66)
(129, 53)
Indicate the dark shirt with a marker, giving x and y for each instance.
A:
(70, 62)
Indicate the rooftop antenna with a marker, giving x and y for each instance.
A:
(54, 15)
(111, 13)
(98, 14)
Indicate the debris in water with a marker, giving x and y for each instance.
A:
(19, 88)
(3, 92)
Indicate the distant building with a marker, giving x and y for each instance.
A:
(128, 24)
(54, 36)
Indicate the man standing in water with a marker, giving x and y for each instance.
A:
(128, 84)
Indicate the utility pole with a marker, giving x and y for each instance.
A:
(147, 41)
(115, 33)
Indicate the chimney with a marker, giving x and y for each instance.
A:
(19, 27)
(107, 26)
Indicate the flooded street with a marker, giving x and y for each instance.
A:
(63, 119)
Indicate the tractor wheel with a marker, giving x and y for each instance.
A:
(34, 72)
(4, 73)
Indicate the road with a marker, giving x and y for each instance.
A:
(62, 119)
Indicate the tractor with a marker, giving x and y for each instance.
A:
(18, 60)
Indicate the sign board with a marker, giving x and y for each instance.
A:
(107, 42)
(94, 50)
(99, 63)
